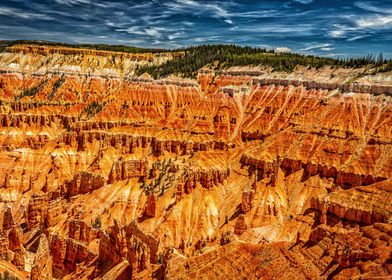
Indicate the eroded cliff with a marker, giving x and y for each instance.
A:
(240, 173)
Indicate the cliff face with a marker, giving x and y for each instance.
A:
(240, 173)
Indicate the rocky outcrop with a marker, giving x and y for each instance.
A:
(341, 178)
(8, 219)
(206, 178)
(18, 120)
(365, 205)
(112, 247)
(146, 247)
(67, 253)
(349, 87)
(129, 243)
(15, 238)
(85, 182)
(150, 206)
(42, 265)
(128, 142)
(349, 253)
(127, 169)
(56, 208)
(82, 232)
(37, 211)
(4, 245)
(240, 225)
(247, 201)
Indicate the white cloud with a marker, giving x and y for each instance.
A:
(217, 11)
(302, 29)
(257, 14)
(361, 26)
(357, 38)
(305, 2)
(229, 21)
(72, 2)
(153, 31)
(25, 15)
(337, 33)
(109, 23)
(378, 21)
(315, 46)
(136, 30)
(370, 8)
(282, 50)
(174, 36)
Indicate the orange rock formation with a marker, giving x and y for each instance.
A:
(243, 173)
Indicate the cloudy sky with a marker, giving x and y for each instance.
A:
(322, 27)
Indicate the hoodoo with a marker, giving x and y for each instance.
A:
(237, 173)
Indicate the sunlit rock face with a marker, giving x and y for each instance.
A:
(241, 173)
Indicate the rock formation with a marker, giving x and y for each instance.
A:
(240, 173)
(42, 265)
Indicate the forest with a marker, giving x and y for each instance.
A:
(224, 56)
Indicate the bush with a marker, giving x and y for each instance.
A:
(93, 108)
(97, 223)
(56, 86)
(33, 91)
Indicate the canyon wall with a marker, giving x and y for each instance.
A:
(241, 173)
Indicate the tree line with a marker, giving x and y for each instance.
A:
(224, 56)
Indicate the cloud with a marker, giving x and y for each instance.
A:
(370, 8)
(153, 31)
(342, 30)
(175, 36)
(282, 50)
(214, 9)
(337, 33)
(109, 23)
(315, 46)
(72, 2)
(357, 38)
(21, 14)
(139, 30)
(378, 21)
(305, 2)
(358, 26)
(257, 14)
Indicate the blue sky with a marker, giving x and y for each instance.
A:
(323, 27)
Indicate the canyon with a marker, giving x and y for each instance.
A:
(241, 173)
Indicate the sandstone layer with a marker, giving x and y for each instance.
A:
(242, 173)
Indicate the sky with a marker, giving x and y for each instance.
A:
(336, 28)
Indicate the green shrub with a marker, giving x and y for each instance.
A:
(97, 223)
(93, 108)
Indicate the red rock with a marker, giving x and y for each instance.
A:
(240, 225)
(150, 206)
(284, 175)
(42, 266)
(85, 182)
(37, 210)
(14, 238)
